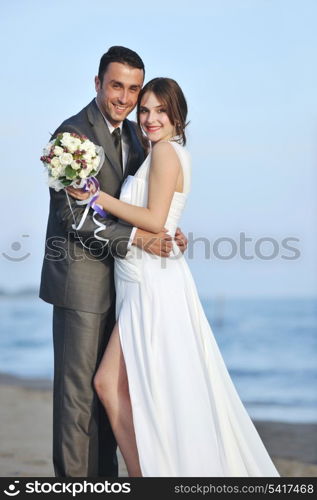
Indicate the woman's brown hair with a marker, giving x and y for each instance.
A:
(170, 95)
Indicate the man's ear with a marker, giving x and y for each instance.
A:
(97, 83)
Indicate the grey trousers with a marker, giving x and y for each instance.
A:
(83, 442)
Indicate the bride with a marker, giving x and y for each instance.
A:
(170, 400)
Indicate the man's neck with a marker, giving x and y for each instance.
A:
(111, 126)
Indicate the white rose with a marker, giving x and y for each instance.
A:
(55, 162)
(65, 139)
(96, 162)
(88, 146)
(58, 151)
(75, 165)
(66, 158)
(70, 147)
(57, 172)
(73, 144)
(87, 157)
(83, 174)
(89, 169)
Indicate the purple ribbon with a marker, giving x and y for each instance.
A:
(92, 182)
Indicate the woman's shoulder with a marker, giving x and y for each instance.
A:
(164, 149)
(171, 152)
(162, 146)
(164, 157)
(169, 146)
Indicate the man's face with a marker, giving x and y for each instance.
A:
(118, 93)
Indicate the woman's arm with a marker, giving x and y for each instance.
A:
(164, 171)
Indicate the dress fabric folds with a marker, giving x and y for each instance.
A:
(189, 420)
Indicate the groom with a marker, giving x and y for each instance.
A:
(78, 280)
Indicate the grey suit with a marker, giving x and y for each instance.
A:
(79, 283)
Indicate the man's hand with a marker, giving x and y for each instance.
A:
(78, 194)
(181, 240)
(159, 244)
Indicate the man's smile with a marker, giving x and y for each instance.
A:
(120, 108)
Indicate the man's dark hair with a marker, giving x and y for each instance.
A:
(121, 55)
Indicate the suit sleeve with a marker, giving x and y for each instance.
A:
(116, 234)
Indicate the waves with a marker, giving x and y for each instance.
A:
(269, 346)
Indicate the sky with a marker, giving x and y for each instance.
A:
(247, 68)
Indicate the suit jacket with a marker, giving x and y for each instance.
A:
(72, 276)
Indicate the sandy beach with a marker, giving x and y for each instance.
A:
(26, 434)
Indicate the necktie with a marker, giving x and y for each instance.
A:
(116, 135)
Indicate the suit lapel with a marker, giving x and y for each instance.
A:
(103, 136)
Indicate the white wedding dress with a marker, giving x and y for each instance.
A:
(188, 417)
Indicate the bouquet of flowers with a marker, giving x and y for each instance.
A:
(70, 159)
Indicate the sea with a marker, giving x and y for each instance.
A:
(269, 347)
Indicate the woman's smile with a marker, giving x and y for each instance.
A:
(154, 119)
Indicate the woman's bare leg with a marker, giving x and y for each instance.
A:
(111, 384)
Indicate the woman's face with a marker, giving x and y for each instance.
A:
(154, 119)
